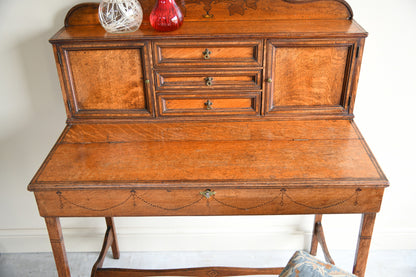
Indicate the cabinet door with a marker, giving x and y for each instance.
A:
(309, 76)
(107, 80)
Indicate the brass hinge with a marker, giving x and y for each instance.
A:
(349, 103)
(59, 58)
(69, 105)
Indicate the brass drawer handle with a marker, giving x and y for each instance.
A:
(206, 54)
(208, 81)
(208, 105)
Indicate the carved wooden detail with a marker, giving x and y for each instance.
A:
(212, 10)
(233, 6)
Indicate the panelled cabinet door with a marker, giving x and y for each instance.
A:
(107, 80)
(309, 76)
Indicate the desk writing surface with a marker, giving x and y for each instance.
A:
(194, 153)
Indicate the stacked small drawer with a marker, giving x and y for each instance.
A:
(208, 77)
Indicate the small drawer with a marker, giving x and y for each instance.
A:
(209, 53)
(221, 104)
(174, 80)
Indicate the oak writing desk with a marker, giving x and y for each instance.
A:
(245, 110)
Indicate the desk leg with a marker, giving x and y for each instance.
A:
(57, 241)
(363, 244)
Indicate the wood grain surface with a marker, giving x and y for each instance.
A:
(107, 79)
(209, 104)
(222, 53)
(239, 152)
(309, 76)
(201, 271)
(196, 81)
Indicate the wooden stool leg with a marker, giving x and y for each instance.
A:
(363, 244)
(314, 243)
(114, 245)
(110, 239)
(319, 237)
(57, 241)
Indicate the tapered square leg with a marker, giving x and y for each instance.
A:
(57, 242)
(363, 244)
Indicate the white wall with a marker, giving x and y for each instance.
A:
(32, 116)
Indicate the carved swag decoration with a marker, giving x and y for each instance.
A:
(282, 196)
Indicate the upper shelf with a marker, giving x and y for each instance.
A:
(200, 30)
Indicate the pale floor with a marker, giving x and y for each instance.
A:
(381, 263)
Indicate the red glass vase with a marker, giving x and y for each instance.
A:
(166, 16)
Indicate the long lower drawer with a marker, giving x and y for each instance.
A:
(208, 201)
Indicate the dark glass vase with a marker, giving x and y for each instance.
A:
(166, 16)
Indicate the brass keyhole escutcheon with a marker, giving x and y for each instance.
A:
(206, 54)
(207, 193)
(208, 105)
(208, 81)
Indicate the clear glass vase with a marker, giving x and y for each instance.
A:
(120, 16)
